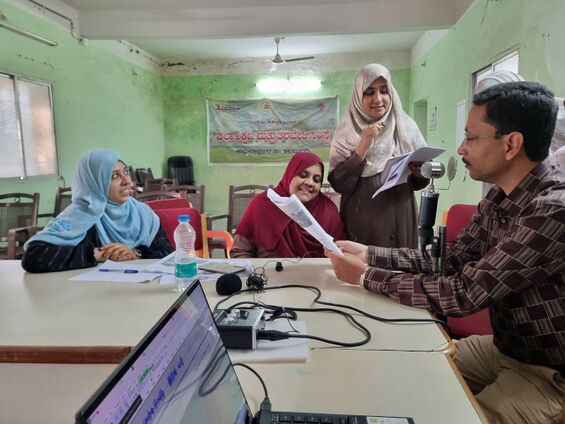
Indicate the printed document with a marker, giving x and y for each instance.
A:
(295, 210)
(396, 170)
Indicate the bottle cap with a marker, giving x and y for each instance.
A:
(184, 218)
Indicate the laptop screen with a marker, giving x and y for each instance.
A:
(179, 373)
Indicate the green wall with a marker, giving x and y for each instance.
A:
(185, 124)
(100, 100)
(486, 32)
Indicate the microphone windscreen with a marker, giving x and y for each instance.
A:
(228, 284)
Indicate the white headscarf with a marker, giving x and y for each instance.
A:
(497, 77)
(558, 140)
(400, 134)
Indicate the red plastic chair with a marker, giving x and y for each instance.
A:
(458, 218)
(169, 210)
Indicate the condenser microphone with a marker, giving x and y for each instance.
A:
(427, 217)
(432, 170)
(428, 204)
(228, 284)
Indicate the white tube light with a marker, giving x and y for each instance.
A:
(292, 85)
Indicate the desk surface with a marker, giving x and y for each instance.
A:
(49, 310)
(419, 385)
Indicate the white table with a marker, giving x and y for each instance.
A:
(419, 385)
(48, 310)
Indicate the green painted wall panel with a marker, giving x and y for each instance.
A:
(100, 100)
(490, 29)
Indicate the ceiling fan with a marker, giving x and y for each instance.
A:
(278, 59)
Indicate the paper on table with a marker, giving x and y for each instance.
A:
(289, 350)
(116, 273)
(294, 209)
(397, 170)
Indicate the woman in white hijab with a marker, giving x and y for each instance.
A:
(374, 129)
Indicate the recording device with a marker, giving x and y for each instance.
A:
(228, 284)
(238, 327)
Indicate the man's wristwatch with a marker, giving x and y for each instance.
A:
(136, 252)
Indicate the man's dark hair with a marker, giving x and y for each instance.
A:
(525, 106)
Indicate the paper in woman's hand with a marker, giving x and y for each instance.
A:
(296, 211)
(396, 170)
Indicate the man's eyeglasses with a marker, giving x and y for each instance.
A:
(480, 137)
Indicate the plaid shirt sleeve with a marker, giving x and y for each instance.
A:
(492, 259)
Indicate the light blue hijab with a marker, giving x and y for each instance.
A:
(131, 223)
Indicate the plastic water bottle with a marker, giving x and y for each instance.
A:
(186, 261)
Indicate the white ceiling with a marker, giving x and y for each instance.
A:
(199, 30)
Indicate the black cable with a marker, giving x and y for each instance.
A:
(348, 316)
(274, 335)
(339, 305)
(239, 364)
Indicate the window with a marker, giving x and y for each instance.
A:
(27, 130)
(508, 62)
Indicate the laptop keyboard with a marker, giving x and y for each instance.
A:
(305, 418)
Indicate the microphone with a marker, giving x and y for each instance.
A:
(228, 284)
(427, 217)
(432, 170)
(428, 204)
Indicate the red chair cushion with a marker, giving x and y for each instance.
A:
(477, 323)
(169, 218)
(458, 218)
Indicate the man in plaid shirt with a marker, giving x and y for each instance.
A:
(510, 259)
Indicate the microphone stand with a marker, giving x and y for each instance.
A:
(426, 220)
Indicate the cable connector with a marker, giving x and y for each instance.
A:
(265, 405)
(272, 335)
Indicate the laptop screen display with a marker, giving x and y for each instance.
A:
(179, 373)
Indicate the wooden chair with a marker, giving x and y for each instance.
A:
(239, 199)
(457, 219)
(334, 196)
(18, 222)
(164, 184)
(63, 198)
(142, 174)
(168, 211)
(159, 195)
(195, 193)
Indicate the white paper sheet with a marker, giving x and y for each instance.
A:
(397, 170)
(295, 210)
(117, 272)
(289, 350)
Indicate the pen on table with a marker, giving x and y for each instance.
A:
(125, 271)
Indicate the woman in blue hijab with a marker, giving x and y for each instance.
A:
(102, 222)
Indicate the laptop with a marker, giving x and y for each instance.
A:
(180, 372)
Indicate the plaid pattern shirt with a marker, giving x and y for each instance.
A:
(510, 259)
